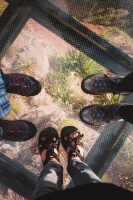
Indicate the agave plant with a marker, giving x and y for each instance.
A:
(78, 62)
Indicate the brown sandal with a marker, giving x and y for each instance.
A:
(48, 145)
(71, 141)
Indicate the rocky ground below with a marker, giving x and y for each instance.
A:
(42, 110)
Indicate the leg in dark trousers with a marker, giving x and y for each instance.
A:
(71, 139)
(50, 179)
(81, 173)
(126, 112)
(126, 84)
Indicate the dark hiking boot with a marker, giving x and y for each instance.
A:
(98, 115)
(18, 130)
(22, 84)
(98, 84)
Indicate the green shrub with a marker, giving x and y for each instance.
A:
(14, 108)
(58, 85)
(78, 62)
(3, 6)
(107, 99)
(102, 16)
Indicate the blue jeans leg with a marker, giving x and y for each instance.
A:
(5, 78)
(81, 173)
(50, 179)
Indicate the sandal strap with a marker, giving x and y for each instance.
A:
(50, 148)
(50, 153)
(73, 143)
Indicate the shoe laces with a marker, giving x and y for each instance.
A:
(19, 80)
(111, 113)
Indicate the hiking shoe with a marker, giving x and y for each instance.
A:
(97, 115)
(22, 84)
(48, 145)
(97, 84)
(18, 130)
(71, 140)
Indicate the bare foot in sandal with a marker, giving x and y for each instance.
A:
(48, 145)
(71, 140)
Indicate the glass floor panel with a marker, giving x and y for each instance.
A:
(60, 68)
(120, 171)
(112, 20)
(43, 55)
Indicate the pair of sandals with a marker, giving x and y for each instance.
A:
(49, 142)
(97, 84)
